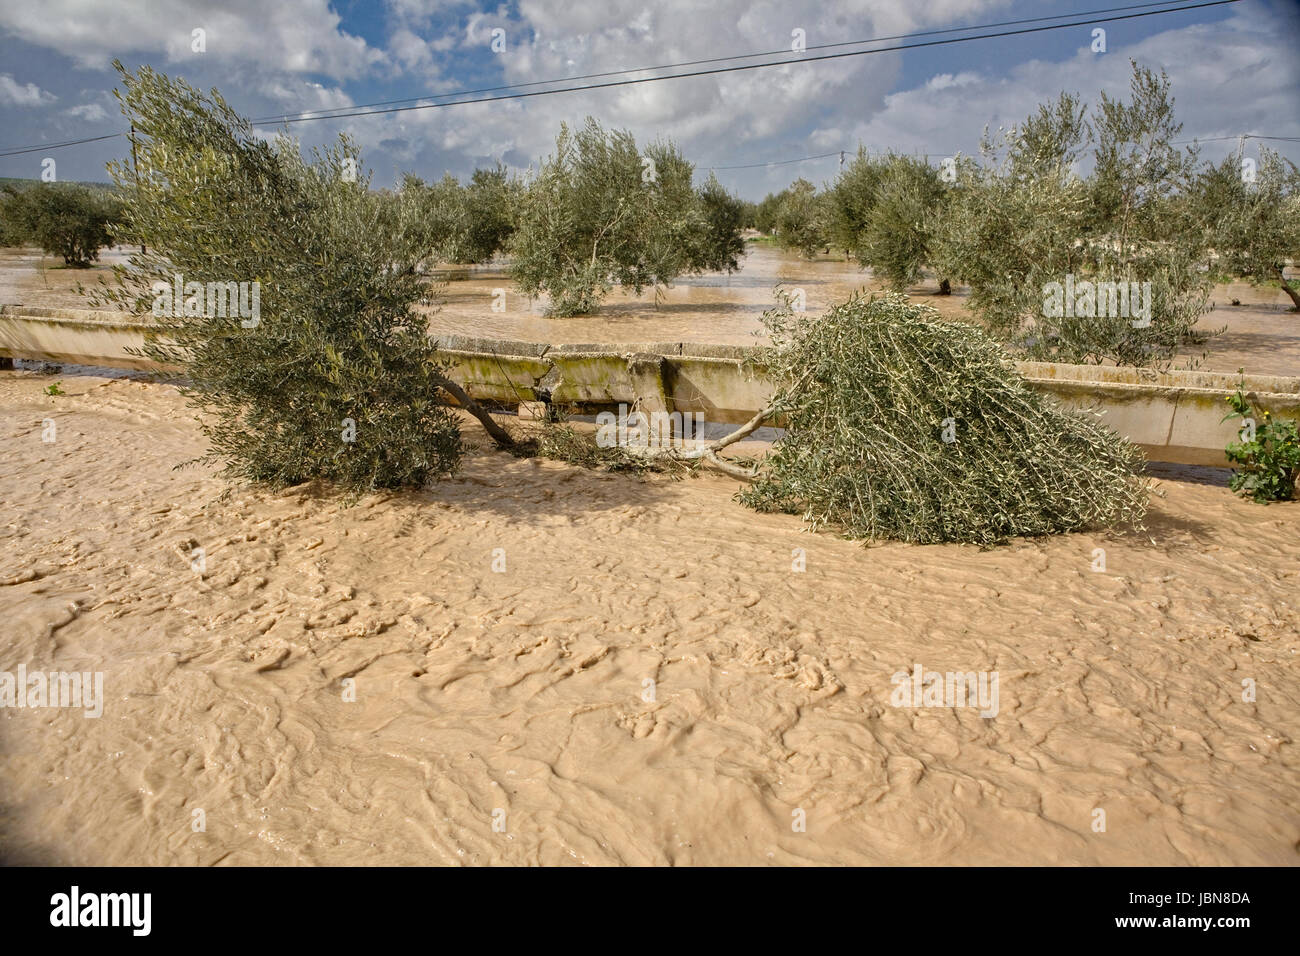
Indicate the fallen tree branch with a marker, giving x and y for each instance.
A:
(709, 453)
(499, 434)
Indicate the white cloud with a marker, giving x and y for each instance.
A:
(287, 35)
(1236, 76)
(89, 112)
(13, 93)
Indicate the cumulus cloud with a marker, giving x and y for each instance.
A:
(13, 93)
(288, 35)
(89, 112)
(1229, 75)
(1236, 76)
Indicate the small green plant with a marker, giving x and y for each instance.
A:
(54, 389)
(1268, 453)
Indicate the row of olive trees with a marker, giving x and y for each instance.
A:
(464, 224)
(1022, 218)
(600, 212)
(332, 375)
(881, 212)
(63, 219)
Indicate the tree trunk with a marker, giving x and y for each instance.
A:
(499, 434)
(1288, 289)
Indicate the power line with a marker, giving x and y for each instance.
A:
(754, 66)
(49, 146)
(696, 73)
(781, 162)
(1215, 139)
(329, 113)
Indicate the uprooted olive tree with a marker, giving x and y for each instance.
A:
(899, 425)
(282, 289)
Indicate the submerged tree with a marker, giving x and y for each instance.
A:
(283, 291)
(64, 219)
(1251, 216)
(601, 212)
(1084, 271)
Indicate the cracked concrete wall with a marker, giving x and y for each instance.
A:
(1175, 416)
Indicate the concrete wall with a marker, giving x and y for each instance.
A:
(72, 336)
(1174, 416)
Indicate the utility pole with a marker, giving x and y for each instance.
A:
(135, 172)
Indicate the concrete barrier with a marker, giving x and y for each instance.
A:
(1175, 416)
(73, 336)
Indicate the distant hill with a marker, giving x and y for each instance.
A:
(17, 181)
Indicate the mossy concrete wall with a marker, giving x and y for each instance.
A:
(1174, 416)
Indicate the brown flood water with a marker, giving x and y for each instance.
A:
(641, 674)
(1262, 336)
(535, 664)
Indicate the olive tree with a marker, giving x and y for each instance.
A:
(64, 219)
(901, 425)
(601, 212)
(282, 288)
(1074, 270)
(491, 208)
(719, 246)
(1251, 215)
(436, 215)
(883, 211)
(765, 213)
(800, 219)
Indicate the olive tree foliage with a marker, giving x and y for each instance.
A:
(1252, 216)
(882, 212)
(765, 213)
(1014, 220)
(464, 224)
(1023, 223)
(435, 214)
(800, 219)
(719, 246)
(850, 201)
(601, 212)
(333, 376)
(64, 219)
(492, 204)
(13, 230)
(900, 425)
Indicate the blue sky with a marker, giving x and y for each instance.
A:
(1233, 67)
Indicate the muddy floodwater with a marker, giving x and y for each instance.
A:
(1262, 335)
(534, 663)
